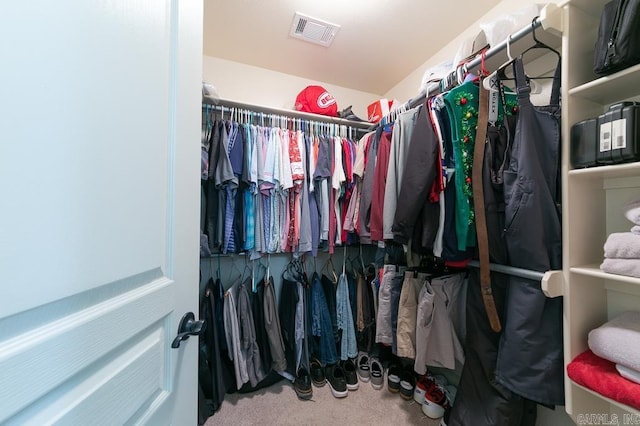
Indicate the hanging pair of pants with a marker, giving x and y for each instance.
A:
(388, 299)
(439, 334)
(408, 312)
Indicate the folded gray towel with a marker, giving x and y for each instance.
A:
(618, 340)
(628, 373)
(622, 245)
(629, 267)
(632, 211)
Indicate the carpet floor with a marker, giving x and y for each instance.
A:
(279, 405)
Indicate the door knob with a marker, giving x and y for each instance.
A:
(188, 327)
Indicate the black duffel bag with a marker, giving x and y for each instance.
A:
(618, 44)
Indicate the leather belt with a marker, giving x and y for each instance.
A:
(480, 214)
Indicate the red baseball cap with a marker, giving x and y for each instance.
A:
(317, 100)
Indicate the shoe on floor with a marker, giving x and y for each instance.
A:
(317, 373)
(376, 373)
(407, 384)
(363, 367)
(302, 384)
(337, 380)
(435, 403)
(350, 374)
(393, 378)
(422, 385)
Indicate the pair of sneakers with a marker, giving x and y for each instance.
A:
(342, 378)
(435, 395)
(370, 369)
(401, 380)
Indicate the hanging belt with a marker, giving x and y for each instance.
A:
(480, 214)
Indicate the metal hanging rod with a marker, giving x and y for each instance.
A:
(510, 270)
(227, 103)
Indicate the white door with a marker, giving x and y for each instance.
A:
(99, 196)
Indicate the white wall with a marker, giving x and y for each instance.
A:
(259, 86)
(410, 86)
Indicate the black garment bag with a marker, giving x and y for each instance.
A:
(618, 43)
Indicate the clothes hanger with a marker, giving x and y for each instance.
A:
(268, 273)
(344, 261)
(539, 45)
(234, 267)
(486, 82)
(328, 266)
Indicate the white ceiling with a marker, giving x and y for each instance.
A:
(380, 42)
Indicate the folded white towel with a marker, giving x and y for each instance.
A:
(632, 211)
(618, 340)
(629, 373)
(622, 245)
(629, 267)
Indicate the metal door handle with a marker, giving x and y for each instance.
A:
(188, 327)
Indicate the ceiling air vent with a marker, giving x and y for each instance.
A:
(313, 30)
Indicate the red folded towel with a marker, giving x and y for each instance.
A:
(600, 375)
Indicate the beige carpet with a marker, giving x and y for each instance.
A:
(278, 405)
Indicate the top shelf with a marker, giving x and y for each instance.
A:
(611, 88)
(612, 171)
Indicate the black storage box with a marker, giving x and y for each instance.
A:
(584, 143)
(619, 131)
(604, 139)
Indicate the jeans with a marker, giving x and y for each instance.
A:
(321, 327)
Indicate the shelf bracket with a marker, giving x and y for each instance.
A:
(551, 18)
(552, 283)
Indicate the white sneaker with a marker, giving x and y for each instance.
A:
(435, 402)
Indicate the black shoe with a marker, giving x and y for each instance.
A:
(393, 378)
(302, 384)
(407, 384)
(337, 381)
(350, 374)
(317, 373)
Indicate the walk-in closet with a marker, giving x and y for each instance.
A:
(228, 212)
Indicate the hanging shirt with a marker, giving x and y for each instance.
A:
(367, 187)
(321, 176)
(306, 221)
(462, 105)
(400, 139)
(379, 185)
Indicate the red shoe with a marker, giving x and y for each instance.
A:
(435, 402)
(425, 383)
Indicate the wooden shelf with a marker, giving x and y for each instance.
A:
(625, 407)
(593, 270)
(612, 88)
(613, 171)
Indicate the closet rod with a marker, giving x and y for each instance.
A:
(363, 125)
(510, 270)
(499, 48)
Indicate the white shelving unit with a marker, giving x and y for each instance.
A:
(592, 204)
